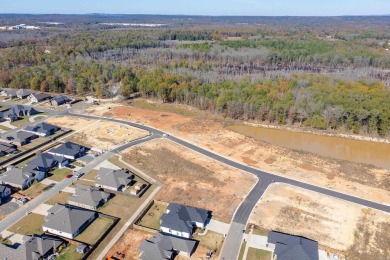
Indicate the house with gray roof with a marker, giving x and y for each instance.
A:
(19, 138)
(181, 220)
(292, 247)
(9, 93)
(67, 221)
(116, 180)
(59, 100)
(36, 247)
(23, 93)
(45, 162)
(164, 246)
(5, 192)
(42, 129)
(88, 197)
(69, 150)
(38, 97)
(6, 148)
(21, 178)
(13, 113)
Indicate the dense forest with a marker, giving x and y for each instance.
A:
(329, 75)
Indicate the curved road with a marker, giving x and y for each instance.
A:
(233, 240)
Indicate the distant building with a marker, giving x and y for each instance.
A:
(293, 247)
(38, 97)
(164, 246)
(23, 93)
(67, 221)
(60, 100)
(9, 93)
(16, 111)
(180, 220)
(116, 180)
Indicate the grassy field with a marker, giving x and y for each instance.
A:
(94, 231)
(242, 251)
(2, 127)
(69, 253)
(211, 240)
(23, 163)
(21, 121)
(59, 174)
(171, 108)
(152, 217)
(30, 224)
(34, 190)
(90, 175)
(257, 254)
(260, 232)
(59, 198)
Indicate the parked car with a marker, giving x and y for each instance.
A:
(69, 176)
(79, 175)
(22, 201)
(70, 166)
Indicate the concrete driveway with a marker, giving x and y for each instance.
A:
(42, 209)
(107, 164)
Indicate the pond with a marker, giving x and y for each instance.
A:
(375, 153)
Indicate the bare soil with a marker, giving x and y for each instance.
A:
(106, 135)
(70, 122)
(190, 178)
(210, 132)
(337, 225)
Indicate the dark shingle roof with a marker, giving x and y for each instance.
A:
(40, 96)
(41, 128)
(289, 247)
(46, 160)
(68, 148)
(163, 246)
(88, 195)
(66, 218)
(34, 248)
(19, 136)
(180, 217)
(114, 178)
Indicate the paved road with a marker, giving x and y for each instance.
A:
(233, 240)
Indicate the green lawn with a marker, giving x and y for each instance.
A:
(242, 251)
(69, 253)
(211, 240)
(39, 118)
(152, 217)
(257, 254)
(23, 163)
(22, 120)
(34, 190)
(61, 197)
(260, 232)
(94, 231)
(59, 174)
(30, 224)
(2, 127)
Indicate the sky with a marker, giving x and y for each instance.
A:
(200, 7)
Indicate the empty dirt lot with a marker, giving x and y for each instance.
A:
(71, 122)
(106, 135)
(335, 224)
(191, 178)
(210, 131)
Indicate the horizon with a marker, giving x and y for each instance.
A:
(256, 8)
